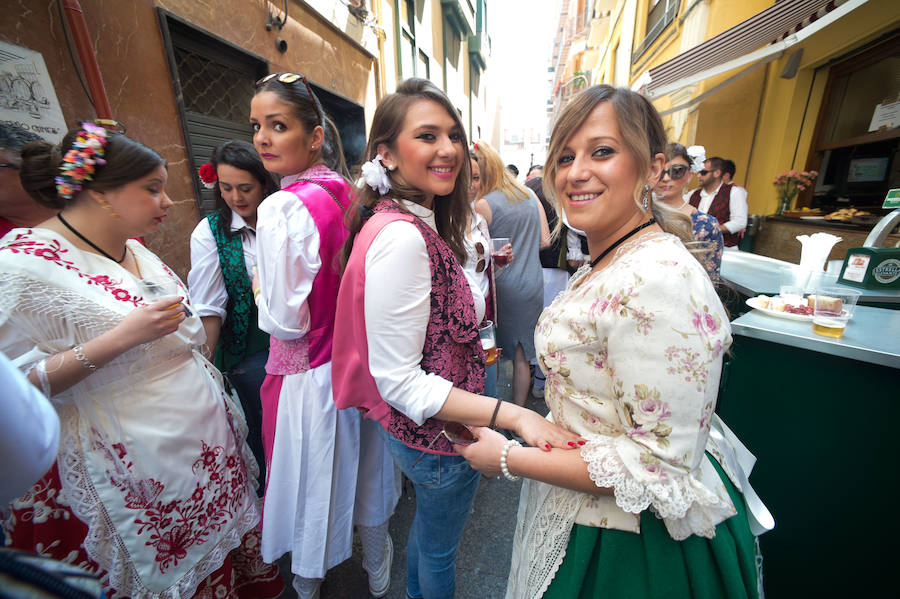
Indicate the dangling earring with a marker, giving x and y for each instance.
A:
(645, 197)
(109, 208)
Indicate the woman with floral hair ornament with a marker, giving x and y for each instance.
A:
(681, 164)
(152, 487)
(223, 258)
(652, 506)
(407, 323)
(327, 469)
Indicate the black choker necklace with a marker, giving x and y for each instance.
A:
(90, 243)
(619, 241)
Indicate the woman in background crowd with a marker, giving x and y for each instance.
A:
(479, 270)
(407, 323)
(151, 488)
(327, 470)
(512, 210)
(681, 164)
(223, 256)
(633, 352)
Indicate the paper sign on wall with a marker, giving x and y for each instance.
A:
(27, 96)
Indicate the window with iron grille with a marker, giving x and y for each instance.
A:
(214, 82)
(661, 14)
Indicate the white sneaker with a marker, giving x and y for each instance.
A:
(380, 581)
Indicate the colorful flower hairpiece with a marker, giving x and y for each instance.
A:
(81, 161)
(208, 175)
(697, 154)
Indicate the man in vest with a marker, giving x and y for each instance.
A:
(725, 201)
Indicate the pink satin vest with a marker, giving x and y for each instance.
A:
(314, 348)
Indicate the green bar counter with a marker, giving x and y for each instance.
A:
(821, 415)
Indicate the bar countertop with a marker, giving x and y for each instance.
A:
(872, 335)
(752, 274)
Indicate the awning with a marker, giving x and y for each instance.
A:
(762, 36)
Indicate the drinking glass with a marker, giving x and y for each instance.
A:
(160, 287)
(501, 250)
(832, 309)
(489, 342)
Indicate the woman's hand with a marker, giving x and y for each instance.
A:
(484, 455)
(540, 432)
(254, 281)
(507, 249)
(150, 322)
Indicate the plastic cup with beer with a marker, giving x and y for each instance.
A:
(832, 309)
(489, 342)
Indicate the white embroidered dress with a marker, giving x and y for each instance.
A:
(151, 453)
(632, 355)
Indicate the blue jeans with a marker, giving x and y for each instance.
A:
(445, 489)
(247, 378)
(490, 379)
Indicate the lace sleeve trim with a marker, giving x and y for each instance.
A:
(683, 501)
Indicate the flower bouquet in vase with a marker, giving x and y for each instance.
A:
(789, 184)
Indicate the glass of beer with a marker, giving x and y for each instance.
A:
(832, 309)
(489, 342)
(501, 251)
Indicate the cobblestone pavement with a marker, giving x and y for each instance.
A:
(485, 549)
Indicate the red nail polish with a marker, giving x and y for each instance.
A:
(581, 442)
(547, 446)
(571, 444)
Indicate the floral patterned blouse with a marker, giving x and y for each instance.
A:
(706, 228)
(633, 355)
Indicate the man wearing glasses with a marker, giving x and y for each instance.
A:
(17, 209)
(725, 201)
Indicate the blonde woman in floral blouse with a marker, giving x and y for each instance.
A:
(632, 351)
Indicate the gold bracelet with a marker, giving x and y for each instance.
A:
(256, 293)
(79, 355)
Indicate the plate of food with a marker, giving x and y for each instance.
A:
(776, 306)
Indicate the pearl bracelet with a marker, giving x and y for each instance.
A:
(503, 467)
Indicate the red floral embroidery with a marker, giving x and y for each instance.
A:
(53, 252)
(176, 526)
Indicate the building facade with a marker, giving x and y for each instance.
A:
(773, 86)
(179, 74)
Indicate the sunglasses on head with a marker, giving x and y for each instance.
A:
(291, 78)
(457, 433)
(675, 172)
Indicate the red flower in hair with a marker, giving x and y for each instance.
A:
(208, 175)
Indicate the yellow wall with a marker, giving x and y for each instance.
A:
(783, 131)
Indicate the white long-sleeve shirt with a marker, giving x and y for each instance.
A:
(397, 309)
(29, 433)
(287, 251)
(737, 207)
(205, 280)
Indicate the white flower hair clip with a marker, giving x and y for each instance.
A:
(375, 175)
(697, 154)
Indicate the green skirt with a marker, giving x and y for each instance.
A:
(622, 565)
